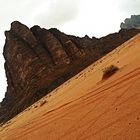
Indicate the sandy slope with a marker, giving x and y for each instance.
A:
(86, 107)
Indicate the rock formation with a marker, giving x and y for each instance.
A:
(39, 60)
(133, 22)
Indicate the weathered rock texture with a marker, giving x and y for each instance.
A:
(38, 60)
(132, 22)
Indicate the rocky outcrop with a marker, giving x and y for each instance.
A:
(132, 22)
(39, 60)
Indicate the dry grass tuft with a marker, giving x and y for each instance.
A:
(108, 71)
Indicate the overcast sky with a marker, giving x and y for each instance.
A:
(78, 17)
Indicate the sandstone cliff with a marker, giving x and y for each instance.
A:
(38, 60)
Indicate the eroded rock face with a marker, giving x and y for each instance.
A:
(131, 23)
(39, 60)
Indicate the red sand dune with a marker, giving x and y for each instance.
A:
(87, 107)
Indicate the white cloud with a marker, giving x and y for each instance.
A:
(96, 18)
(130, 6)
(57, 12)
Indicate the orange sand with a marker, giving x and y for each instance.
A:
(86, 107)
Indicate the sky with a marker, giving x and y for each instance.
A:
(77, 17)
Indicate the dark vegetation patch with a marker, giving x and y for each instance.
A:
(109, 71)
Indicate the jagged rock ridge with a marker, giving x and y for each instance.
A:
(132, 22)
(39, 60)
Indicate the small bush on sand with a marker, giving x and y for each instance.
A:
(108, 71)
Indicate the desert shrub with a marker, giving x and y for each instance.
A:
(108, 71)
